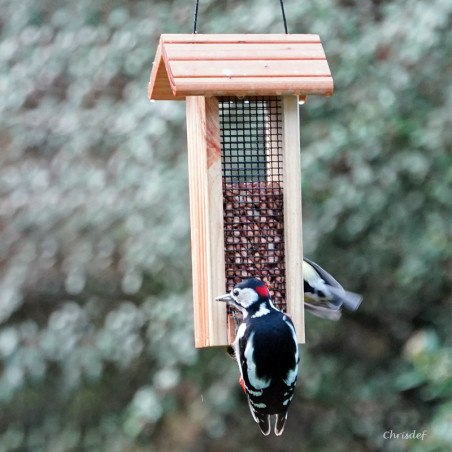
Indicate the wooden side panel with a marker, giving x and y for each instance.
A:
(292, 215)
(206, 219)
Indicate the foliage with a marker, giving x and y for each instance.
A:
(96, 333)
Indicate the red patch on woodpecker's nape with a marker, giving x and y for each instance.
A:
(242, 384)
(262, 291)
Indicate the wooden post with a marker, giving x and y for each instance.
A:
(206, 219)
(292, 215)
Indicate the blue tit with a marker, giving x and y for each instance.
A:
(323, 295)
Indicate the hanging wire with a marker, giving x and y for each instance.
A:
(195, 22)
(284, 16)
(196, 17)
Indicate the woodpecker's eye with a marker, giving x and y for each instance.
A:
(236, 292)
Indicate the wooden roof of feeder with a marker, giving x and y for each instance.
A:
(239, 65)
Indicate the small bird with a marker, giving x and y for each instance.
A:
(323, 295)
(266, 350)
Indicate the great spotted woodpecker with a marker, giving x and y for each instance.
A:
(323, 295)
(266, 351)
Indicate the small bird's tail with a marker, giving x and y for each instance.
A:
(280, 423)
(350, 300)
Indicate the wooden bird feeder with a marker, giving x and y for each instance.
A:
(242, 94)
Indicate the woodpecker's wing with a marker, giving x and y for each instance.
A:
(253, 382)
(253, 385)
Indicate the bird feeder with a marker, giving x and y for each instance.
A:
(242, 94)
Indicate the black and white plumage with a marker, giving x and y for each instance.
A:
(266, 350)
(323, 295)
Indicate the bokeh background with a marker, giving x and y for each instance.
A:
(96, 334)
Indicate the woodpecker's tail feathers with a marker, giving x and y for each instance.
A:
(350, 300)
(262, 419)
(280, 423)
(323, 312)
(264, 424)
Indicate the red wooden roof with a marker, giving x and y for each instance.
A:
(239, 65)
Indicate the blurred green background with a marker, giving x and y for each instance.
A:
(96, 334)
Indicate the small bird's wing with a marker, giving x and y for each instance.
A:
(323, 274)
(323, 311)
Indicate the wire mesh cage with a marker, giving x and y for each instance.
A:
(251, 140)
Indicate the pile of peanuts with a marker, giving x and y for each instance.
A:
(254, 235)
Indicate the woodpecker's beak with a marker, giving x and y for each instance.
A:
(226, 297)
